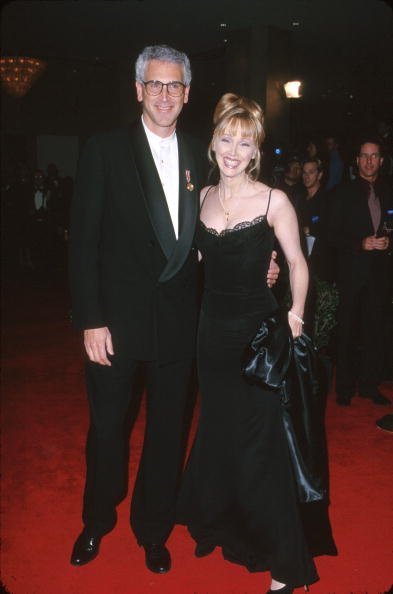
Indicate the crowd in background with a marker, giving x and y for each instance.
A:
(36, 207)
(351, 281)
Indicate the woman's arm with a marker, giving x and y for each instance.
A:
(282, 218)
(202, 197)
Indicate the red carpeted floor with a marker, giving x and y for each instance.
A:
(44, 426)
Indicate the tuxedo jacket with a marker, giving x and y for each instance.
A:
(349, 222)
(127, 269)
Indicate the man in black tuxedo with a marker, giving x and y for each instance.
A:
(134, 286)
(311, 211)
(357, 215)
(312, 216)
(133, 280)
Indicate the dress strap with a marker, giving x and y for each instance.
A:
(204, 198)
(268, 202)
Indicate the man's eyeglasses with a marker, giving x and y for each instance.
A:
(174, 88)
(371, 156)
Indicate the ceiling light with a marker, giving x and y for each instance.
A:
(18, 74)
(292, 89)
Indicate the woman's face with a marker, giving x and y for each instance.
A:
(233, 152)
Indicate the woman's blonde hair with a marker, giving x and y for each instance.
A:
(231, 112)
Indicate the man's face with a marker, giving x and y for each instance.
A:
(369, 161)
(160, 112)
(38, 179)
(311, 176)
(331, 144)
(294, 172)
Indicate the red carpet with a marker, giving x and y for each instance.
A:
(44, 426)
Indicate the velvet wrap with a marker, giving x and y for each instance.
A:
(292, 369)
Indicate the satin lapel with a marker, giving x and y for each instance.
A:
(152, 190)
(188, 209)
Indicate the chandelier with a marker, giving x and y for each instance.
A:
(18, 74)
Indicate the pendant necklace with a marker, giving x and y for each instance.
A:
(226, 211)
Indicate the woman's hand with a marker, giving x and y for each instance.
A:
(274, 270)
(295, 323)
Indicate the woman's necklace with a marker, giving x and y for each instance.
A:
(226, 210)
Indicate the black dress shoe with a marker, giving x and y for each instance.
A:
(157, 557)
(385, 423)
(284, 590)
(86, 548)
(202, 550)
(376, 396)
(343, 399)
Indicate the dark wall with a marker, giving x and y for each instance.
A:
(69, 99)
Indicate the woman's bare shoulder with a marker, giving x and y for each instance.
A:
(279, 199)
(204, 193)
(205, 190)
(263, 190)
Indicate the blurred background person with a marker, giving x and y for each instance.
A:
(335, 164)
(290, 181)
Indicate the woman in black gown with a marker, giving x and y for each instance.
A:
(238, 491)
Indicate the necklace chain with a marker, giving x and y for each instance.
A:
(226, 210)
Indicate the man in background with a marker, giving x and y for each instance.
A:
(335, 165)
(357, 217)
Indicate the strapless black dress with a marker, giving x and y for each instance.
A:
(238, 491)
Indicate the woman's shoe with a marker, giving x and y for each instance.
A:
(284, 590)
(202, 550)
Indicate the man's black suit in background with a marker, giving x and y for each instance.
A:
(363, 283)
(131, 274)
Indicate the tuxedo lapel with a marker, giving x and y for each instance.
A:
(152, 190)
(188, 209)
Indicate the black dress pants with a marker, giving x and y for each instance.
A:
(361, 316)
(110, 395)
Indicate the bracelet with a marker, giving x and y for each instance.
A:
(296, 317)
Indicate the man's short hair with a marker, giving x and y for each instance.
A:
(370, 140)
(163, 53)
(316, 162)
(334, 137)
(289, 162)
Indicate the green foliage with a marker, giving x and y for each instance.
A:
(325, 312)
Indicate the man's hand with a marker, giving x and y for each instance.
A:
(375, 243)
(273, 272)
(368, 243)
(98, 343)
(381, 243)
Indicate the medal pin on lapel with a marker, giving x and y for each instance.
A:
(189, 186)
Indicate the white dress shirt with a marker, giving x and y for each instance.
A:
(166, 157)
(39, 199)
